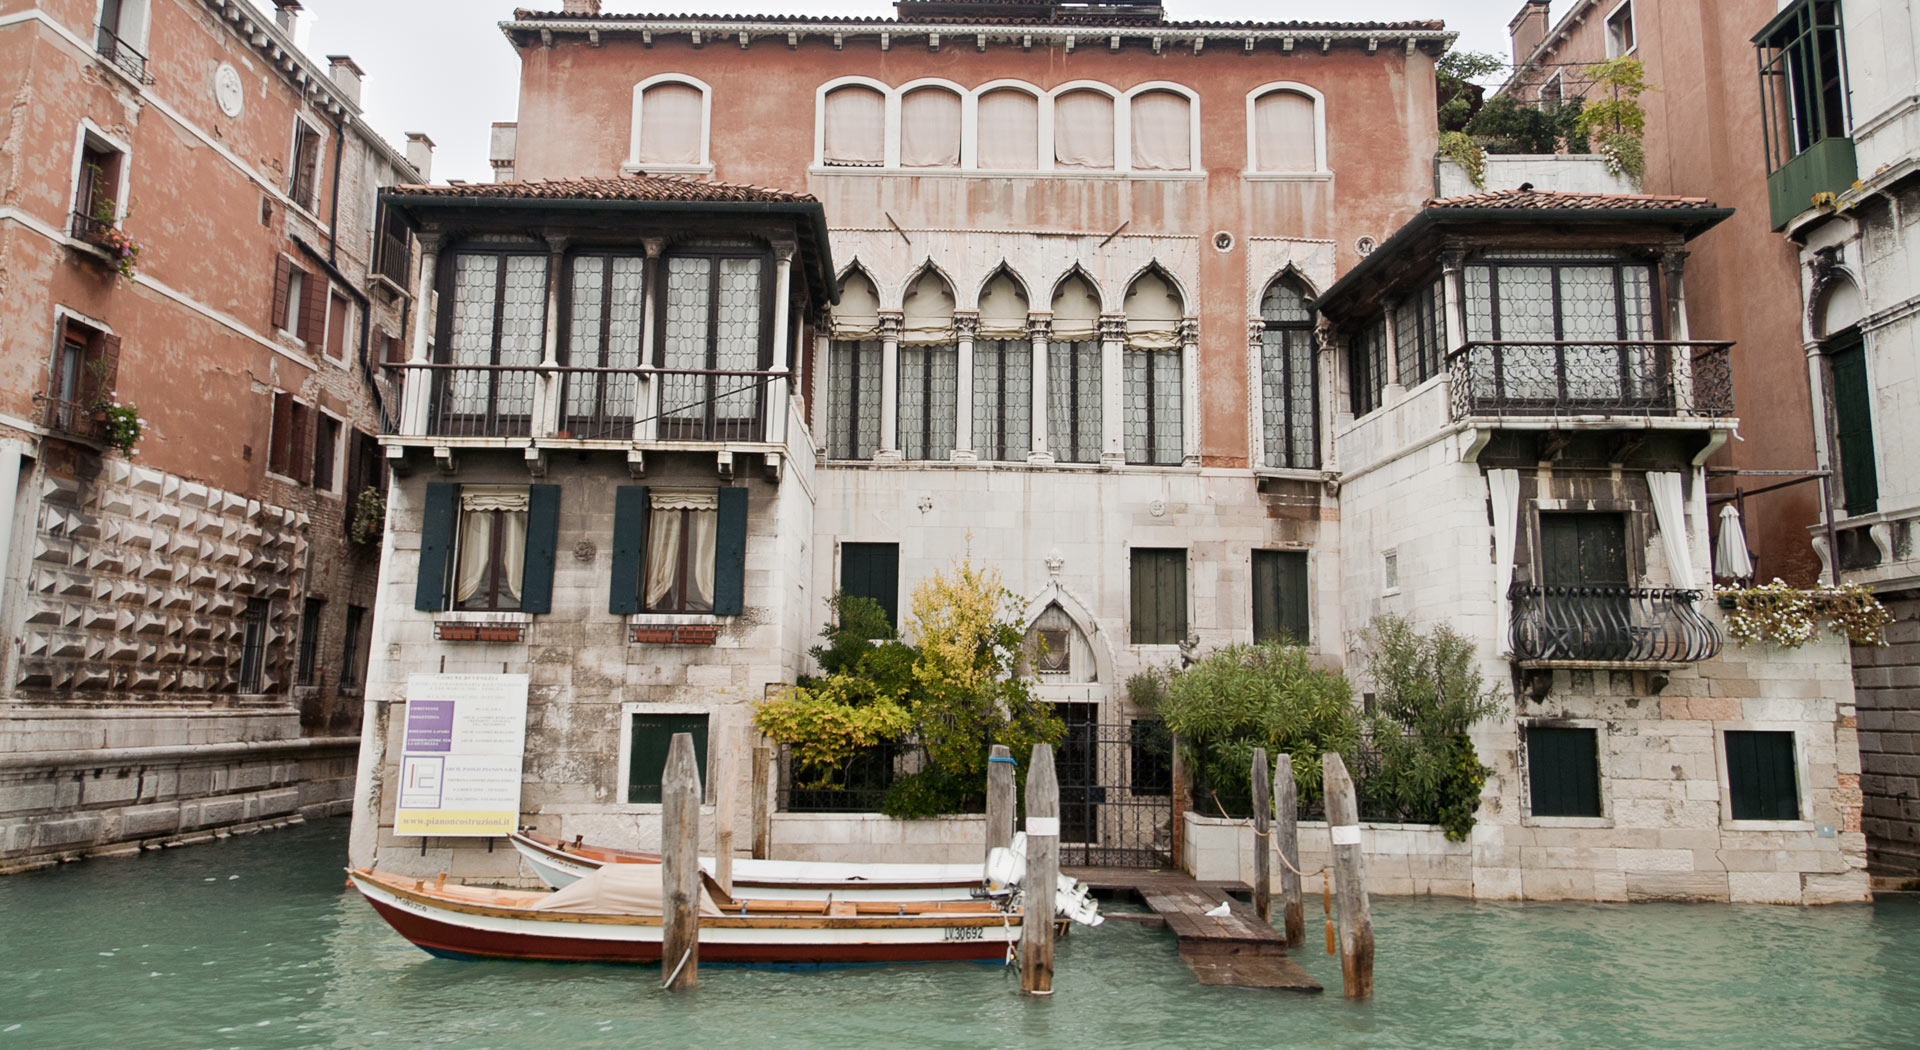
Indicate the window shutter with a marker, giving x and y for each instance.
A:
(1853, 427)
(1761, 782)
(282, 280)
(1280, 610)
(872, 570)
(313, 308)
(543, 539)
(441, 513)
(106, 349)
(730, 554)
(630, 510)
(300, 454)
(652, 737)
(280, 441)
(1563, 771)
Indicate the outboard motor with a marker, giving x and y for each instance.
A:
(1072, 899)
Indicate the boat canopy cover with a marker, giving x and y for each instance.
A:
(619, 889)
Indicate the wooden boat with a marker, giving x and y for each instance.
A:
(613, 916)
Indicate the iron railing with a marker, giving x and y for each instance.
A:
(598, 403)
(1610, 625)
(72, 417)
(482, 401)
(860, 785)
(91, 230)
(123, 55)
(1564, 378)
(393, 254)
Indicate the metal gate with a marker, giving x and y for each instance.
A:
(1116, 792)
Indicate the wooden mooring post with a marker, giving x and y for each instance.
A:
(1349, 879)
(762, 802)
(680, 866)
(1262, 837)
(1000, 786)
(1286, 840)
(1043, 869)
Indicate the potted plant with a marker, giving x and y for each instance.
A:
(369, 516)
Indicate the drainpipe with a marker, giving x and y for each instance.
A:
(333, 218)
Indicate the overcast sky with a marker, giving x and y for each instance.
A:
(443, 67)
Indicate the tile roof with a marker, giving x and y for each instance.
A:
(1532, 200)
(624, 188)
(1058, 20)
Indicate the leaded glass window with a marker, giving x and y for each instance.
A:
(1420, 334)
(853, 399)
(1002, 398)
(1073, 401)
(1289, 383)
(714, 320)
(605, 307)
(929, 401)
(1152, 404)
(1564, 331)
(1367, 367)
(498, 316)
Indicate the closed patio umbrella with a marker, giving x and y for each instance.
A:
(1730, 557)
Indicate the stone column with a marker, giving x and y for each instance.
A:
(417, 394)
(817, 397)
(1454, 299)
(779, 389)
(1257, 390)
(889, 444)
(1673, 268)
(549, 386)
(1113, 342)
(647, 392)
(1190, 392)
(1039, 327)
(965, 327)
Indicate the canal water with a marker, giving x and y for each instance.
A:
(255, 943)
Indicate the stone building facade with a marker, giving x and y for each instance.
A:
(187, 620)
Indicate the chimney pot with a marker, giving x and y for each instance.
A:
(420, 154)
(581, 7)
(286, 14)
(1528, 29)
(347, 76)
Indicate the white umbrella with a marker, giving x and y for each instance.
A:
(1730, 557)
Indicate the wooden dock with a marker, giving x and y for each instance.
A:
(1236, 949)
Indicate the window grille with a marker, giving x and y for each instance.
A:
(853, 400)
(1002, 398)
(929, 396)
(1153, 406)
(1074, 401)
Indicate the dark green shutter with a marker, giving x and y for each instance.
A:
(1761, 784)
(440, 513)
(730, 554)
(1583, 549)
(1159, 596)
(1563, 770)
(652, 736)
(630, 512)
(543, 539)
(1853, 429)
(1280, 603)
(872, 570)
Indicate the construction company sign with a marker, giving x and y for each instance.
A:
(460, 765)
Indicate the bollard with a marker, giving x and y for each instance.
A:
(1286, 839)
(1349, 879)
(1043, 869)
(1262, 837)
(680, 866)
(762, 801)
(1000, 769)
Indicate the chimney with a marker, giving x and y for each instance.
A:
(347, 76)
(506, 138)
(1528, 29)
(420, 154)
(286, 14)
(581, 7)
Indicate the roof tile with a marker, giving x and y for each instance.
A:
(1059, 20)
(625, 188)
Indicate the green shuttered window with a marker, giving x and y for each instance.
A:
(1159, 596)
(1563, 767)
(650, 735)
(658, 573)
(490, 583)
(1853, 429)
(872, 570)
(1761, 784)
(1280, 597)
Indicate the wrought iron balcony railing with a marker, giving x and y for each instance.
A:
(1558, 378)
(1610, 625)
(89, 229)
(595, 403)
(123, 55)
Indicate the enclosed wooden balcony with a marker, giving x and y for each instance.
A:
(1583, 378)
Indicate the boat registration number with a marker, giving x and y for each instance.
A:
(964, 933)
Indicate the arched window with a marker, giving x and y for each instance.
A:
(929, 370)
(670, 123)
(1073, 373)
(1151, 393)
(1083, 130)
(930, 128)
(1009, 130)
(1289, 383)
(856, 127)
(853, 371)
(1062, 653)
(1003, 373)
(1287, 130)
(1162, 123)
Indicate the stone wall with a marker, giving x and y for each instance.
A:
(1886, 684)
(874, 838)
(1555, 173)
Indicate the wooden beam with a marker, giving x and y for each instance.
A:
(1043, 870)
(1349, 879)
(1286, 839)
(680, 866)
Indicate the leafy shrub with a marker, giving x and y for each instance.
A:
(1428, 692)
(929, 793)
(1505, 125)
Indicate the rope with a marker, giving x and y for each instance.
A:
(1258, 834)
(676, 970)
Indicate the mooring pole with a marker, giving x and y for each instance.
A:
(1262, 837)
(999, 798)
(1349, 879)
(1182, 801)
(723, 795)
(1043, 871)
(762, 801)
(1286, 839)
(680, 866)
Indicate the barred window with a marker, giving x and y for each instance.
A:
(1420, 334)
(1153, 407)
(853, 399)
(1367, 367)
(1002, 398)
(1073, 401)
(929, 400)
(1289, 383)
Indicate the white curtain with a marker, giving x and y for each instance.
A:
(700, 512)
(1283, 132)
(663, 555)
(856, 127)
(1503, 487)
(513, 554)
(476, 549)
(670, 124)
(1083, 131)
(1161, 132)
(1009, 123)
(930, 129)
(1670, 511)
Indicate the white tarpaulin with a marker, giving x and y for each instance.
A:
(619, 889)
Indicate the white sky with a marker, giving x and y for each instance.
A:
(443, 67)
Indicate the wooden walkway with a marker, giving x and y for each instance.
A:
(1235, 949)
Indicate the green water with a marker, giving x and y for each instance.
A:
(255, 943)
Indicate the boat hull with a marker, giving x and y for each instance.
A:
(782, 880)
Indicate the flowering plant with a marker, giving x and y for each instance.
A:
(121, 426)
(122, 250)
(1788, 616)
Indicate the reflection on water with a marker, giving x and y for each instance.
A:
(256, 943)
